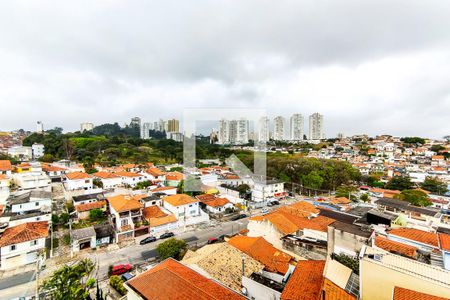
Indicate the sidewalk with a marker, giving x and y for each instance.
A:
(17, 271)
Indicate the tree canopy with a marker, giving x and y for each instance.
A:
(399, 183)
(171, 248)
(415, 197)
(434, 185)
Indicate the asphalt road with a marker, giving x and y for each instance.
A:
(24, 284)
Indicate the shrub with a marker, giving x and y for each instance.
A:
(117, 283)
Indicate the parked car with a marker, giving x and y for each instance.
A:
(222, 237)
(273, 203)
(212, 240)
(238, 217)
(127, 276)
(147, 240)
(265, 210)
(121, 269)
(167, 235)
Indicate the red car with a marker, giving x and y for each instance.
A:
(121, 269)
(212, 240)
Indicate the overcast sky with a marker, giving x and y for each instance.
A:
(369, 66)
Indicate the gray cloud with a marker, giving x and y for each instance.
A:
(372, 66)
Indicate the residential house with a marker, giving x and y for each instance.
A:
(20, 245)
(5, 167)
(159, 221)
(4, 188)
(30, 177)
(30, 201)
(83, 210)
(217, 205)
(154, 174)
(78, 181)
(185, 208)
(176, 281)
(167, 190)
(108, 180)
(305, 282)
(130, 178)
(54, 172)
(87, 198)
(346, 238)
(126, 215)
(173, 178)
(265, 190)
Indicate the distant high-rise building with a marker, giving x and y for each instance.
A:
(278, 128)
(340, 135)
(296, 127)
(223, 132)
(235, 132)
(264, 130)
(173, 125)
(145, 132)
(316, 131)
(86, 126)
(136, 121)
(39, 127)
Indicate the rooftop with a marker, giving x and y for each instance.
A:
(5, 165)
(23, 233)
(257, 247)
(96, 196)
(406, 206)
(122, 203)
(406, 294)
(179, 199)
(77, 176)
(395, 247)
(417, 235)
(176, 281)
(305, 282)
(350, 228)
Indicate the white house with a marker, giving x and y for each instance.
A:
(35, 178)
(20, 245)
(5, 167)
(168, 190)
(185, 208)
(218, 205)
(154, 173)
(78, 181)
(131, 178)
(37, 150)
(262, 191)
(22, 153)
(31, 201)
(109, 180)
(4, 188)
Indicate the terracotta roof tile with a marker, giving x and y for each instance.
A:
(444, 241)
(340, 200)
(77, 176)
(105, 175)
(417, 235)
(205, 197)
(176, 281)
(334, 292)
(164, 188)
(174, 176)
(154, 171)
(305, 282)
(217, 202)
(156, 217)
(257, 247)
(128, 174)
(406, 294)
(179, 199)
(23, 233)
(395, 247)
(122, 203)
(90, 206)
(5, 165)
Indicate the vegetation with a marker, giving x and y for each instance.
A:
(415, 197)
(117, 283)
(346, 191)
(413, 140)
(348, 261)
(71, 282)
(434, 185)
(171, 248)
(96, 215)
(399, 183)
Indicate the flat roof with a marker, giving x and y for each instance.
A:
(98, 196)
(350, 228)
(400, 204)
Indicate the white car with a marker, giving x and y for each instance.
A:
(265, 210)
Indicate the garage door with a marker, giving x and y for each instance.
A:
(31, 257)
(13, 262)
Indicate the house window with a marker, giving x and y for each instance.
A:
(33, 243)
(190, 205)
(12, 247)
(36, 203)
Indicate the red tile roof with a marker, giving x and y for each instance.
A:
(179, 199)
(417, 235)
(155, 172)
(128, 174)
(122, 203)
(77, 176)
(23, 233)
(218, 202)
(156, 217)
(305, 282)
(406, 294)
(50, 168)
(105, 175)
(205, 197)
(334, 292)
(176, 281)
(395, 247)
(257, 247)
(5, 165)
(174, 176)
(90, 206)
(444, 241)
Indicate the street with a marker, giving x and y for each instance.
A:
(24, 284)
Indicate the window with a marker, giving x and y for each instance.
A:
(190, 205)
(12, 247)
(36, 203)
(33, 243)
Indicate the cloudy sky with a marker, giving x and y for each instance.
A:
(369, 66)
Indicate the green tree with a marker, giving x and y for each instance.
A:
(346, 191)
(313, 180)
(399, 183)
(415, 197)
(70, 282)
(434, 185)
(364, 197)
(96, 214)
(171, 248)
(117, 283)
